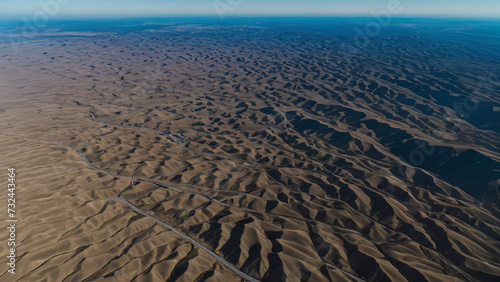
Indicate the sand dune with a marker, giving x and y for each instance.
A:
(281, 157)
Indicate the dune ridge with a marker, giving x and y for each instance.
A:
(259, 155)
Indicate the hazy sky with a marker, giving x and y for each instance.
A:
(158, 7)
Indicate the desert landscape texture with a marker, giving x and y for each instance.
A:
(252, 150)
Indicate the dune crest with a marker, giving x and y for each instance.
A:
(258, 154)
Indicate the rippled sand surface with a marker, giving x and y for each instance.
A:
(250, 151)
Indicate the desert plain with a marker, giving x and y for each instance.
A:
(251, 149)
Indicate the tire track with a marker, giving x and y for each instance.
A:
(118, 198)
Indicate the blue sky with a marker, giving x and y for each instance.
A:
(158, 7)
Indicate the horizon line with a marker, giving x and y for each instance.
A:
(267, 15)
